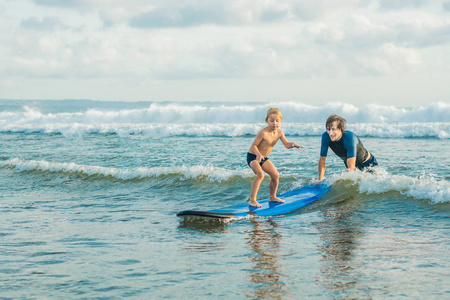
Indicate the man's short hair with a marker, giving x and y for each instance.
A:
(341, 123)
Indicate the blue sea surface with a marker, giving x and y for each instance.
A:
(90, 190)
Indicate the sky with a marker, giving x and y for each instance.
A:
(314, 52)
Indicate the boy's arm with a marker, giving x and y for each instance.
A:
(288, 144)
(254, 146)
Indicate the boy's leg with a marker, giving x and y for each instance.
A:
(270, 169)
(256, 167)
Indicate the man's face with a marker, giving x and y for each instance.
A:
(334, 132)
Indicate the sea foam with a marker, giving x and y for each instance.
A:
(209, 173)
(380, 181)
(409, 130)
(212, 119)
(182, 112)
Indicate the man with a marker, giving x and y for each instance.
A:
(344, 144)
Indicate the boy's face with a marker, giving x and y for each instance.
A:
(334, 132)
(274, 121)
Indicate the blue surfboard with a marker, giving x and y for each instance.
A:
(293, 200)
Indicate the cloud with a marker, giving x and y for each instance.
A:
(446, 6)
(157, 41)
(232, 12)
(222, 13)
(44, 24)
(183, 16)
(308, 11)
(390, 59)
(45, 56)
(357, 32)
(424, 33)
(325, 9)
(59, 3)
(274, 14)
(400, 4)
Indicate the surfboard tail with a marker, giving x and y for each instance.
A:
(207, 214)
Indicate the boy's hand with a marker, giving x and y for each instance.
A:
(294, 145)
(259, 158)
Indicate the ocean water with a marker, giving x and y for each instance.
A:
(90, 190)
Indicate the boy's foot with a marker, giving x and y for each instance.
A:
(254, 203)
(275, 199)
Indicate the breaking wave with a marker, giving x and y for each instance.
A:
(378, 182)
(413, 130)
(208, 173)
(234, 113)
(212, 119)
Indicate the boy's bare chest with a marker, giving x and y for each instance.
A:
(269, 141)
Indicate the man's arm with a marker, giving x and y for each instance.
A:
(351, 144)
(351, 163)
(322, 167)
(325, 141)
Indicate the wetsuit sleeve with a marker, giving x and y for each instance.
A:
(325, 143)
(350, 143)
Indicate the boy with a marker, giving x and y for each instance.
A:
(257, 155)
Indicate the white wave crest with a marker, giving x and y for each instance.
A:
(380, 182)
(213, 174)
(212, 119)
(413, 130)
(176, 113)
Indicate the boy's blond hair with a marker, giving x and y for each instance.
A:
(274, 110)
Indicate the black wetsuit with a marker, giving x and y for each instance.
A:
(348, 146)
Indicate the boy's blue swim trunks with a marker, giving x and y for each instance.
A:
(251, 157)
